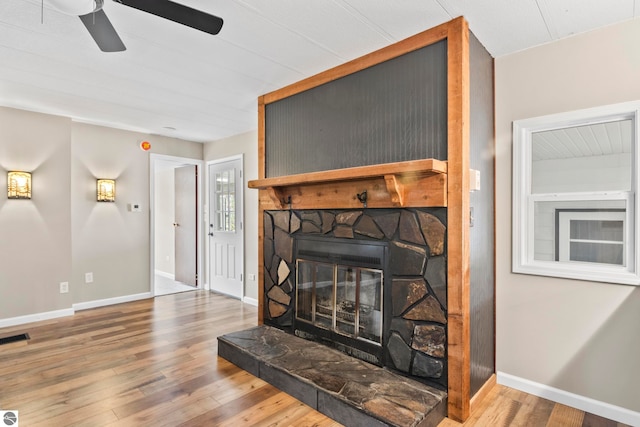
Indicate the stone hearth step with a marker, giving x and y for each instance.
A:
(348, 390)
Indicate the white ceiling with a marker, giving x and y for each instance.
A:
(206, 86)
(594, 140)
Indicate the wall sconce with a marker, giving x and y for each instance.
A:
(106, 190)
(19, 185)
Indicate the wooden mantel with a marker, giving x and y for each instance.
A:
(402, 184)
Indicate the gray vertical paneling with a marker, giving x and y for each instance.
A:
(394, 111)
(482, 233)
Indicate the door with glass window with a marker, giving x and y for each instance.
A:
(225, 227)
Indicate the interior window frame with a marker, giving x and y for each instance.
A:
(523, 200)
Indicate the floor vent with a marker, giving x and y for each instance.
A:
(14, 338)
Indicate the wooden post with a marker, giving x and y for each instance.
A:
(261, 175)
(458, 217)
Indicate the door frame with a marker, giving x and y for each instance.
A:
(183, 161)
(239, 214)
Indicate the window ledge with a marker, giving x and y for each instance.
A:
(580, 271)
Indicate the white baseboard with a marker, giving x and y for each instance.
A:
(165, 274)
(111, 301)
(29, 318)
(606, 410)
(250, 301)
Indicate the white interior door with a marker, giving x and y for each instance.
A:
(226, 236)
(162, 205)
(186, 225)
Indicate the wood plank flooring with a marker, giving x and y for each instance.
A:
(154, 363)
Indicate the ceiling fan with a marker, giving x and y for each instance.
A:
(95, 19)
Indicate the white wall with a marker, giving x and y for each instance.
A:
(582, 174)
(246, 143)
(565, 338)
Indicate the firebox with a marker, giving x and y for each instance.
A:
(340, 294)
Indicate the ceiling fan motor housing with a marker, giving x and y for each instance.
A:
(76, 7)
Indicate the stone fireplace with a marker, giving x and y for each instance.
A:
(370, 282)
(408, 127)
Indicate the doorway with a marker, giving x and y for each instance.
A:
(176, 244)
(225, 226)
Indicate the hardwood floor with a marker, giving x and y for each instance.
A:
(508, 407)
(154, 363)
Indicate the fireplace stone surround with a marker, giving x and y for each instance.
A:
(400, 180)
(415, 319)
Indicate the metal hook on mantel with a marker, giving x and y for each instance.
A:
(287, 201)
(362, 197)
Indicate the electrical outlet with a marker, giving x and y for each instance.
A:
(135, 207)
(88, 278)
(64, 287)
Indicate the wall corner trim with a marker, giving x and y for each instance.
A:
(587, 404)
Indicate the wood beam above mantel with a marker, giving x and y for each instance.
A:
(416, 183)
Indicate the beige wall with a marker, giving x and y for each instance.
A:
(578, 337)
(247, 144)
(164, 242)
(35, 235)
(63, 233)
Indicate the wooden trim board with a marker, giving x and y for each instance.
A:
(402, 47)
(417, 183)
(458, 258)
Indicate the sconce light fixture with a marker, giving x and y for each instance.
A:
(19, 185)
(106, 190)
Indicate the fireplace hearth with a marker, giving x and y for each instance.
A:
(350, 391)
(369, 282)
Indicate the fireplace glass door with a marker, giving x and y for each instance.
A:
(340, 298)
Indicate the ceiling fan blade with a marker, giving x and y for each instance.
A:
(178, 13)
(102, 31)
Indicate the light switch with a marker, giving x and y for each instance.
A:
(474, 180)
